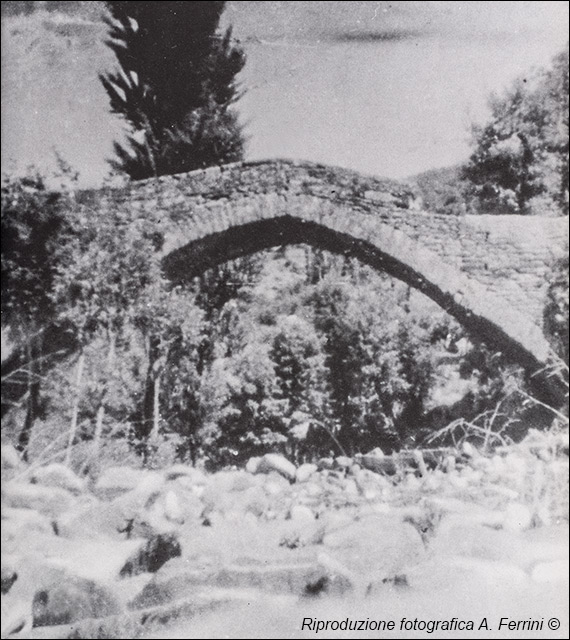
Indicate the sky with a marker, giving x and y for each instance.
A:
(388, 88)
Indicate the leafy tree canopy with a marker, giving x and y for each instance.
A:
(175, 86)
(520, 162)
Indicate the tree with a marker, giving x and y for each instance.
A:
(176, 86)
(34, 219)
(520, 162)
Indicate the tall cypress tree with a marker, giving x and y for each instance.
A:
(176, 86)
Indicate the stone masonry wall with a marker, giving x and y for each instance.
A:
(494, 268)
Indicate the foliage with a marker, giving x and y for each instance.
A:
(27, 7)
(520, 162)
(556, 309)
(34, 220)
(321, 368)
(443, 191)
(175, 87)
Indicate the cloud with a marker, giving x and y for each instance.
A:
(390, 35)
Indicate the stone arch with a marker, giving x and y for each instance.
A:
(224, 213)
(481, 313)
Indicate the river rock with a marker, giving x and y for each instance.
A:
(10, 457)
(177, 579)
(300, 514)
(305, 471)
(169, 510)
(94, 518)
(326, 463)
(9, 575)
(518, 517)
(133, 507)
(16, 617)
(555, 571)
(460, 535)
(385, 465)
(100, 560)
(275, 462)
(252, 465)
(177, 471)
(116, 481)
(153, 555)
(448, 574)
(50, 501)
(72, 599)
(11, 461)
(180, 580)
(377, 547)
(302, 579)
(343, 462)
(58, 475)
(19, 523)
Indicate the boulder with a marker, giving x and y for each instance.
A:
(385, 465)
(254, 501)
(275, 462)
(176, 580)
(58, 475)
(276, 484)
(10, 459)
(172, 508)
(253, 465)
(72, 599)
(19, 523)
(325, 463)
(372, 485)
(167, 511)
(133, 510)
(141, 513)
(101, 560)
(343, 462)
(152, 556)
(16, 618)
(181, 581)
(116, 481)
(94, 519)
(376, 547)
(455, 574)
(518, 517)
(9, 575)
(236, 493)
(555, 571)
(298, 534)
(302, 578)
(462, 536)
(300, 513)
(468, 450)
(195, 476)
(305, 471)
(50, 501)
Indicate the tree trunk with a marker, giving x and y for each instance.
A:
(156, 412)
(146, 421)
(98, 430)
(75, 413)
(33, 383)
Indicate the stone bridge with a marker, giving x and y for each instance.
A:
(490, 272)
